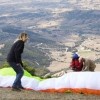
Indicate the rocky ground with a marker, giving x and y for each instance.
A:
(8, 94)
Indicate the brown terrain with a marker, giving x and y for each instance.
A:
(87, 49)
(8, 94)
(62, 60)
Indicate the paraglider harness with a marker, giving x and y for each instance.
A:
(74, 68)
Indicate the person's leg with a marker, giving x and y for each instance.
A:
(19, 73)
(20, 85)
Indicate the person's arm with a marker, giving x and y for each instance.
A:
(72, 64)
(86, 66)
(77, 64)
(80, 65)
(19, 64)
(18, 51)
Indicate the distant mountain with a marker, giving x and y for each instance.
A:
(83, 1)
(48, 20)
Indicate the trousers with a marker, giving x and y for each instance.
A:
(19, 73)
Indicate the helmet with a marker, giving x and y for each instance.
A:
(75, 56)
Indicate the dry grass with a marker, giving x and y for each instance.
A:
(8, 94)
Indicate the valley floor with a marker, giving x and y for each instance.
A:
(89, 48)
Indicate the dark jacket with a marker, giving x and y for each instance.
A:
(14, 55)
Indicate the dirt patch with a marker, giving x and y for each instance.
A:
(8, 94)
(62, 60)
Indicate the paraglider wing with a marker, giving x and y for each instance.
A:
(79, 82)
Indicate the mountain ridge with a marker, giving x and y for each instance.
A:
(49, 23)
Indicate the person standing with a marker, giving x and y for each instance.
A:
(88, 64)
(15, 61)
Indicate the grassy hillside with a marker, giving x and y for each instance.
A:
(32, 56)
